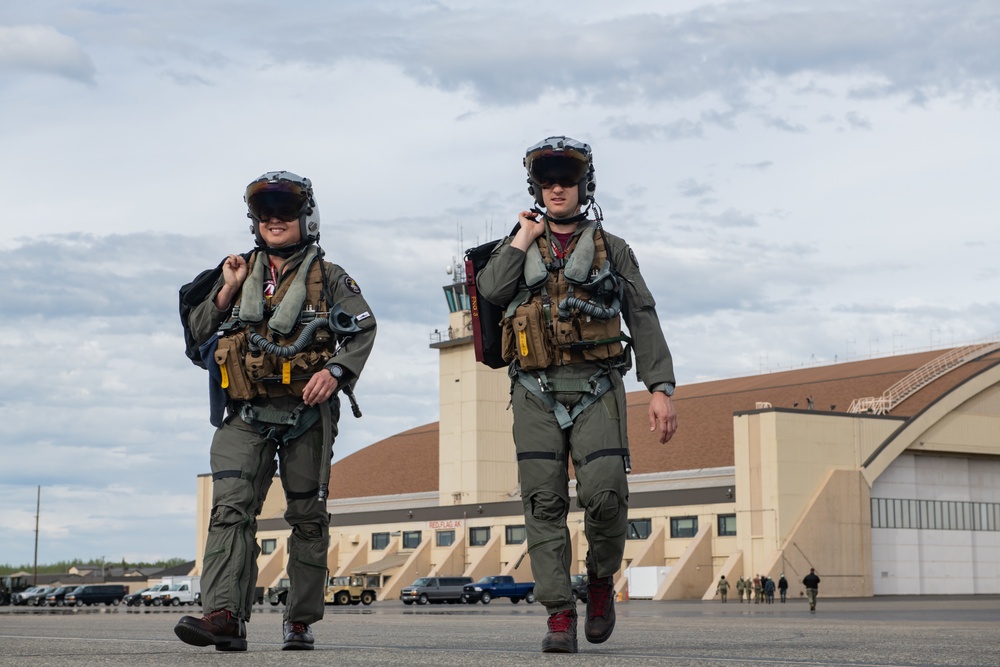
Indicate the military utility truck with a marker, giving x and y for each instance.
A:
(278, 594)
(349, 590)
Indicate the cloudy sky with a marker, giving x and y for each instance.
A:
(802, 184)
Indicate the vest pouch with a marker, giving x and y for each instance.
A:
(507, 339)
(259, 365)
(592, 329)
(532, 346)
(229, 356)
(300, 369)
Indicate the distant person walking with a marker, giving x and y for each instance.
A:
(757, 590)
(723, 588)
(782, 587)
(811, 582)
(740, 587)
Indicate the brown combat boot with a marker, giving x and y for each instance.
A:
(218, 628)
(298, 637)
(600, 621)
(561, 637)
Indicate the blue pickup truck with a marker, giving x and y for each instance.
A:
(498, 586)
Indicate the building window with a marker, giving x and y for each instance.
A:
(727, 525)
(479, 536)
(683, 526)
(268, 546)
(516, 535)
(411, 539)
(935, 514)
(445, 538)
(639, 529)
(380, 541)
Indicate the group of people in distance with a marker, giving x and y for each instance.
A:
(760, 589)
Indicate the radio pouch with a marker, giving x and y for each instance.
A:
(526, 335)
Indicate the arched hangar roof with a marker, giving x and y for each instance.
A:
(408, 462)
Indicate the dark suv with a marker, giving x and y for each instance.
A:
(96, 594)
(55, 598)
(434, 589)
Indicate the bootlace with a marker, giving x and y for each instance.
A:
(224, 613)
(562, 621)
(599, 592)
(299, 628)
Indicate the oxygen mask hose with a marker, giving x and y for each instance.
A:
(339, 322)
(589, 308)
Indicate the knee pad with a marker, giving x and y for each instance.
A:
(604, 506)
(308, 531)
(226, 516)
(548, 506)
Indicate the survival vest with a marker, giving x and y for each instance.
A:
(562, 315)
(247, 371)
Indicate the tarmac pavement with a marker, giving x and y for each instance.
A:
(905, 631)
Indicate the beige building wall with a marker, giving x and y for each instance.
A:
(790, 496)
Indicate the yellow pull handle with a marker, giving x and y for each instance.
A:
(522, 340)
(286, 372)
(225, 376)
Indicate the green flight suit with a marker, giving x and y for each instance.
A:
(544, 449)
(243, 466)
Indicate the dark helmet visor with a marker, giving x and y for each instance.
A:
(276, 203)
(561, 169)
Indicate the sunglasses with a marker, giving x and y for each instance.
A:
(561, 181)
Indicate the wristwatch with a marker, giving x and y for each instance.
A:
(666, 387)
(336, 370)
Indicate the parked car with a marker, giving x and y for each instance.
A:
(434, 589)
(55, 597)
(498, 586)
(31, 596)
(579, 584)
(134, 599)
(107, 594)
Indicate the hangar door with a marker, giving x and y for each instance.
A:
(936, 526)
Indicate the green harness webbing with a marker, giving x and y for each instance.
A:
(265, 418)
(541, 386)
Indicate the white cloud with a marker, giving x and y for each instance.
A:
(42, 48)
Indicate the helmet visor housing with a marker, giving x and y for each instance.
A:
(563, 161)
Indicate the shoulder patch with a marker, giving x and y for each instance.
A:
(350, 284)
(631, 255)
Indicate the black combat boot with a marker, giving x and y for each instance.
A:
(561, 637)
(298, 637)
(600, 608)
(217, 628)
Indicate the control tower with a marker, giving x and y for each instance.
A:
(476, 447)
